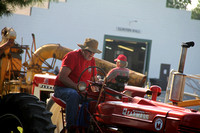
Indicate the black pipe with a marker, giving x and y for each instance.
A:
(185, 46)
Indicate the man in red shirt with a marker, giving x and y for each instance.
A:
(66, 82)
(118, 74)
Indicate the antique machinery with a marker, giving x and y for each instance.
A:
(20, 112)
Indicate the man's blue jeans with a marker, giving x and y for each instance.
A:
(72, 99)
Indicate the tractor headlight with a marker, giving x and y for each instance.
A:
(82, 86)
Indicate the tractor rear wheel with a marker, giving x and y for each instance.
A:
(22, 112)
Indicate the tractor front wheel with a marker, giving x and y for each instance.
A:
(22, 112)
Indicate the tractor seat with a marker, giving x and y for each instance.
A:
(119, 86)
(59, 101)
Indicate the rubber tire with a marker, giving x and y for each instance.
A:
(31, 113)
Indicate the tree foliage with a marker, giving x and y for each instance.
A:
(196, 12)
(182, 4)
(178, 4)
(7, 7)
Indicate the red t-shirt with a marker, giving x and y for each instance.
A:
(77, 63)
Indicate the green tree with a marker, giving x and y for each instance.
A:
(178, 4)
(196, 12)
(8, 6)
(182, 4)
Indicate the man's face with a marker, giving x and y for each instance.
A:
(118, 63)
(88, 54)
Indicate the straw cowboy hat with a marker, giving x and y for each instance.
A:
(90, 44)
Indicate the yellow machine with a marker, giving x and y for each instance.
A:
(8, 36)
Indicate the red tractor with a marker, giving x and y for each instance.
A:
(111, 111)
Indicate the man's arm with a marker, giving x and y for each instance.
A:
(64, 77)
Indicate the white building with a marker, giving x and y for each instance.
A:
(158, 29)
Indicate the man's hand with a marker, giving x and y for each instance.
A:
(94, 88)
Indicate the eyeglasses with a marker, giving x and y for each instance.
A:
(89, 51)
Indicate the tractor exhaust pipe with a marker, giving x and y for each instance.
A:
(185, 46)
(178, 81)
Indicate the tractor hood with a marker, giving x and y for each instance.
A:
(147, 114)
(190, 123)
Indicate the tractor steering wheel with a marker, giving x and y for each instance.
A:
(92, 67)
(102, 72)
